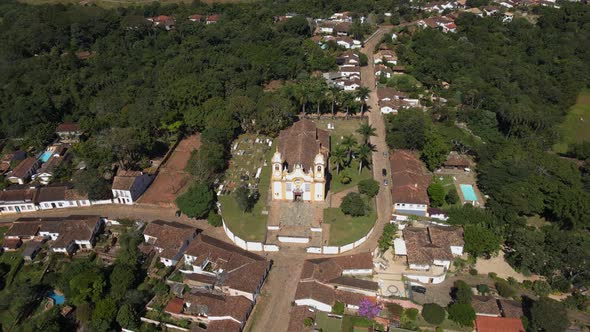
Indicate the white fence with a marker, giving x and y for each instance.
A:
(246, 245)
(293, 239)
(333, 250)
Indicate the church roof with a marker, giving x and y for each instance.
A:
(300, 143)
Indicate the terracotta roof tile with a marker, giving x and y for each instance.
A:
(237, 307)
(498, 324)
(170, 236)
(297, 316)
(24, 167)
(409, 178)
(446, 236)
(485, 305)
(300, 143)
(19, 195)
(67, 127)
(419, 248)
(22, 229)
(510, 308)
(11, 243)
(225, 325)
(175, 306)
(316, 291)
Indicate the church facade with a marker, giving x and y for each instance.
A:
(299, 163)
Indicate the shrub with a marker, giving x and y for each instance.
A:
(433, 313)
(541, 288)
(395, 310)
(483, 289)
(344, 177)
(439, 329)
(527, 284)
(411, 313)
(214, 219)
(452, 197)
(354, 205)
(492, 275)
(504, 289)
(463, 314)
(338, 308)
(369, 187)
(473, 272)
(197, 201)
(561, 284)
(512, 281)
(308, 322)
(436, 192)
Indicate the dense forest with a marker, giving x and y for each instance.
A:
(510, 85)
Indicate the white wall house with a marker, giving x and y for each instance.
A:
(314, 304)
(129, 186)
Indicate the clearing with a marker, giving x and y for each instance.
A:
(574, 128)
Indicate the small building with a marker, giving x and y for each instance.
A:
(409, 184)
(164, 21)
(128, 186)
(16, 200)
(169, 239)
(60, 196)
(22, 230)
(439, 214)
(392, 106)
(68, 132)
(498, 324)
(212, 19)
(77, 232)
(457, 161)
(383, 71)
(31, 250)
(386, 57)
(485, 306)
(23, 171)
(238, 272)
(196, 18)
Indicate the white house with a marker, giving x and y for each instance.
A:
(409, 183)
(73, 232)
(18, 200)
(23, 171)
(128, 186)
(381, 70)
(169, 239)
(59, 197)
(243, 273)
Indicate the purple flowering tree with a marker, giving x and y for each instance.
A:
(368, 309)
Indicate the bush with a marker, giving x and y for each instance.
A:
(369, 187)
(452, 197)
(561, 284)
(439, 329)
(214, 219)
(197, 201)
(513, 282)
(463, 314)
(433, 313)
(473, 272)
(395, 310)
(354, 205)
(492, 275)
(527, 284)
(541, 288)
(436, 192)
(504, 289)
(411, 313)
(483, 289)
(308, 322)
(338, 308)
(344, 177)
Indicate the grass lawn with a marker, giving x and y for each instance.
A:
(448, 184)
(249, 226)
(353, 171)
(328, 324)
(345, 229)
(574, 128)
(350, 322)
(342, 128)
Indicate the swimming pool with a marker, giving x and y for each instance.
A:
(468, 192)
(58, 299)
(45, 156)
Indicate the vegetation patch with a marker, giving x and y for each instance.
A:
(345, 229)
(574, 128)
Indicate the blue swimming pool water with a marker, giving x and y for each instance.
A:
(59, 299)
(45, 156)
(468, 192)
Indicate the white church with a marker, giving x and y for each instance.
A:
(299, 164)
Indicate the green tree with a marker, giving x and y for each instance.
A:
(244, 198)
(433, 313)
(121, 279)
(504, 288)
(541, 288)
(349, 142)
(344, 177)
(362, 93)
(369, 187)
(197, 201)
(207, 162)
(436, 192)
(87, 286)
(366, 131)
(480, 241)
(462, 292)
(386, 238)
(127, 317)
(338, 157)
(363, 154)
(338, 308)
(548, 315)
(452, 197)
(106, 309)
(463, 314)
(435, 151)
(354, 205)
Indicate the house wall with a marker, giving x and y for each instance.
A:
(388, 110)
(236, 292)
(426, 279)
(419, 267)
(314, 304)
(457, 250)
(57, 204)
(168, 262)
(410, 208)
(358, 272)
(17, 207)
(446, 264)
(53, 236)
(293, 239)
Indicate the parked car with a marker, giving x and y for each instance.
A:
(178, 213)
(385, 182)
(384, 172)
(418, 289)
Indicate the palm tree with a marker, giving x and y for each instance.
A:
(366, 130)
(346, 100)
(363, 93)
(333, 94)
(363, 153)
(338, 157)
(349, 142)
(317, 92)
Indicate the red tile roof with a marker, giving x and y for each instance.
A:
(11, 243)
(498, 324)
(300, 143)
(67, 127)
(174, 306)
(409, 178)
(24, 167)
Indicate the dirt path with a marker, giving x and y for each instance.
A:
(499, 266)
(272, 312)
